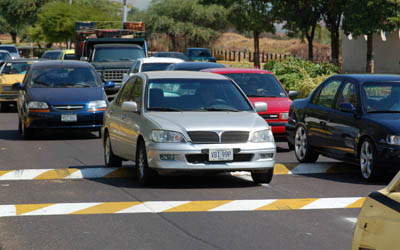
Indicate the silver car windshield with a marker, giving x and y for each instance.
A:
(194, 95)
(66, 77)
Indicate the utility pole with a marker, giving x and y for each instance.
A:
(125, 12)
(69, 40)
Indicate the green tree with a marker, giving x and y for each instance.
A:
(187, 19)
(366, 17)
(332, 12)
(300, 16)
(17, 14)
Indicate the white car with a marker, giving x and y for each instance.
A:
(12, 49)
(150, 64)
(185, 121)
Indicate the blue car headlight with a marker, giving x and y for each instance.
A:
(100, 105)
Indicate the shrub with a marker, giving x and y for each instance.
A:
(301, 75)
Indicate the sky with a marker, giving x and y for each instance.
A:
(140, 4)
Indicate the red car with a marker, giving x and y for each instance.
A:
(263, 86)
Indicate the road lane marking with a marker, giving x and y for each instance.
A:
(93, 173)
(177, 206)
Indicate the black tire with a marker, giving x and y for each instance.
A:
(144, 174)
(27, 133)
(4, 107)
(110, 159)
(290, 146)
(302, 149)
(19, 127)
(368, 160)
(262, 177)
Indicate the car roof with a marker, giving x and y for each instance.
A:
(236, 70)
(188, 65)
(53, 50)
(183, 75)
(24, 60)
(372, 77)
(168, 52)
(69, 51)
(161, 60)
(59, 63)
(7, 45)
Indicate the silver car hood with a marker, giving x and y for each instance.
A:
(207, 121)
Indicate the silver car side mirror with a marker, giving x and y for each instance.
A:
(129, 106)
(260, 107)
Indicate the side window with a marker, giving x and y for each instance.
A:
(136, 94)
(125, 93)
(348, 94)
(327, 93)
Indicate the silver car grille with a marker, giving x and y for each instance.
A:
(114, 74)
(69, 107)
(213, 137)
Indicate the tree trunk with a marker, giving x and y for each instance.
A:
(335, 46)
(256, 38)
(14, 36)
(310, 48)
(173, 41)
(370, 54)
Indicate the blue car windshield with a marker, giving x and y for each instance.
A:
(381, 97)
(258, 85)
(195, 95)
(65, 77)
(117, 54)
(199, 53)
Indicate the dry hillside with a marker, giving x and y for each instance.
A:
(237, 42)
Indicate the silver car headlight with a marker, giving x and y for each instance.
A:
(165, 136)
(393, 139)
(99, 105)
(263, 136)
(37, 105)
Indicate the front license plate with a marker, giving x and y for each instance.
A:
(220, 155)
(69, 118)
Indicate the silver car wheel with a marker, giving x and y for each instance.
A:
(301, 142)
(366, 159)
(107, 149)
(140, 164)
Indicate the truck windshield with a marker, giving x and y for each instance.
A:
(116, 54)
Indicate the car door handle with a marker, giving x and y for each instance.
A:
(322, 123)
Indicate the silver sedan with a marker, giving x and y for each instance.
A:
(177, 121)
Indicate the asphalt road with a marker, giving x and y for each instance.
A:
(281, 227)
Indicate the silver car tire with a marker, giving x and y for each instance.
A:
(144, 174)
(367, 157)
(302, 149)
(110, 159)
(263, 177)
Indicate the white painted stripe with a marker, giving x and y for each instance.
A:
(325, 203)
(351, 220)
(23, 174)
(87, 173)
(243, 205)
(62, 208)
(311, 168)
(152, 207)
(7, 210)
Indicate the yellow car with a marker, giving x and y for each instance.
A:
(11, 72)
(378, 223)
(64, 54)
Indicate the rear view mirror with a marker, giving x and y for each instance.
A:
(129, 106)
(17, 86)
(347, 107)
(260, 107)
(293, 94)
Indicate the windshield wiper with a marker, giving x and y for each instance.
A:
(126, 59)
(221, 109)
(384, 111)
(261, 96)
(42, 83)
(163, 109)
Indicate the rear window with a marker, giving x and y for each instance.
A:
(54, 55)
(10, 49)
(258, 85)
(69, 57)
(154, 66)
(199, 53)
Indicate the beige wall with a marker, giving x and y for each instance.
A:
(387, 54)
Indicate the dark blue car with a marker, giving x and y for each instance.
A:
(60, 94)
(199, 54)
(354, 118)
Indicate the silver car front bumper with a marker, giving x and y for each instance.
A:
(194, 157)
